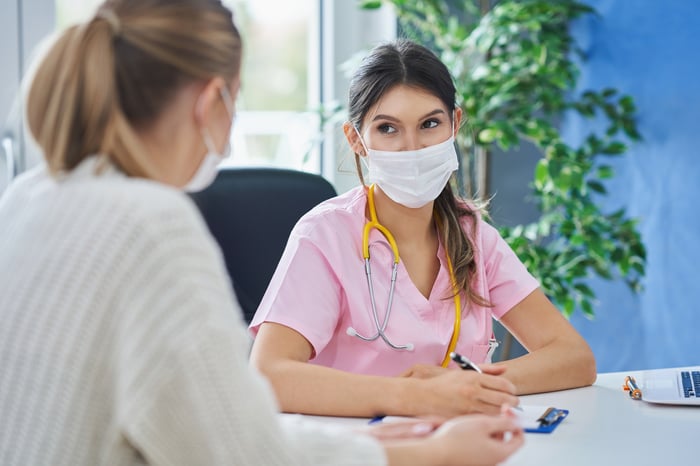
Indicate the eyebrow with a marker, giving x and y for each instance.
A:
(381, 116)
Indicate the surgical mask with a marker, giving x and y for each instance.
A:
(209, 168)
(413, 178)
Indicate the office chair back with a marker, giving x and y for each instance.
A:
(250, 212)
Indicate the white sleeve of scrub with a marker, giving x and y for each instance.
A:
(508, 281)
(304, 294)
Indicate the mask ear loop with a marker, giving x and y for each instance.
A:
(359, 136)
(228, 102)
(227, 99)
(364, 160)
(208, 141)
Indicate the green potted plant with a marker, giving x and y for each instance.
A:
(514, 67)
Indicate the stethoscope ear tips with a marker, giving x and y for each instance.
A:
(351, 331)
(409, 347)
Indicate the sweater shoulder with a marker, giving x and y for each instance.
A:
(141, 200)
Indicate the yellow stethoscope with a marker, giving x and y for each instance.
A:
(381, 328)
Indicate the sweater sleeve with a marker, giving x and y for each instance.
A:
(187, 394)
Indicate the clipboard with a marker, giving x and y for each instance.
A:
(540, 419)
(533, 419)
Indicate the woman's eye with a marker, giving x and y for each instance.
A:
(386, 129)
(430, 123)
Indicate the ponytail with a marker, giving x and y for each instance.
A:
(73, 107)
(104, 79)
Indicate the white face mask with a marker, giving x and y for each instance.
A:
(413, 178)
(208, 169)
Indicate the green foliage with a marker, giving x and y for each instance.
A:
(514, 72)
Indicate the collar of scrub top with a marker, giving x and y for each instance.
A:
(381, 327)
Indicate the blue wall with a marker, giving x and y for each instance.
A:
(650, 50)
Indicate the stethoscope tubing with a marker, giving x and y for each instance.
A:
(381, 328)
(375, 315)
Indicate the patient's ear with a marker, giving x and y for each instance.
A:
(208, 98)
(353, 139)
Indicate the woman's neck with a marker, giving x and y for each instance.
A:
(408, 226)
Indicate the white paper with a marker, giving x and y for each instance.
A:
(528, 415)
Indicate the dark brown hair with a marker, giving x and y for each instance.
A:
(406, 62)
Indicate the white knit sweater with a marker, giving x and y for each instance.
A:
(121, 342)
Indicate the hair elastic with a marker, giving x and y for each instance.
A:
(112, 19)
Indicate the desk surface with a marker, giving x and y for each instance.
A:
(606, 427)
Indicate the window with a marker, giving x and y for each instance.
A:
(23, 23)
(276, 120)
(293, 52)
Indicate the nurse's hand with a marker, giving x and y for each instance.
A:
(425, 371)
(451, 392)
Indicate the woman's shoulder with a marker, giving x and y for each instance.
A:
(335, 215)
(152, 203)
(137, 202)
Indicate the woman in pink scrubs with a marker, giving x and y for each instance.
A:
(318, 339)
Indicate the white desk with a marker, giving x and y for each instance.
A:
(606, 427)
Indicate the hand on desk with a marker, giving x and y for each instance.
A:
(451, 392)
(479, 439)
(405, 427)
(475, 439)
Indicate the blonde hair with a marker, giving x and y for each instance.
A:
(103, 79)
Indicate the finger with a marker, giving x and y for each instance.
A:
(403, 429)
(485, 408)
(423, 371)
(518, 435)
(509, 411)
(501, 424)
(490, 425)
(497, 383)
(493, 391)
(515, 441)
(495, 400)
(433, 419)
(492, 369)
(503, 449)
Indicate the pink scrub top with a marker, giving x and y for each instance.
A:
(320, 289)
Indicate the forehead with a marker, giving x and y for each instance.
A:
(405, 102)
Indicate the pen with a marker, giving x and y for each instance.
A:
(464, 363)
(632, 388)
